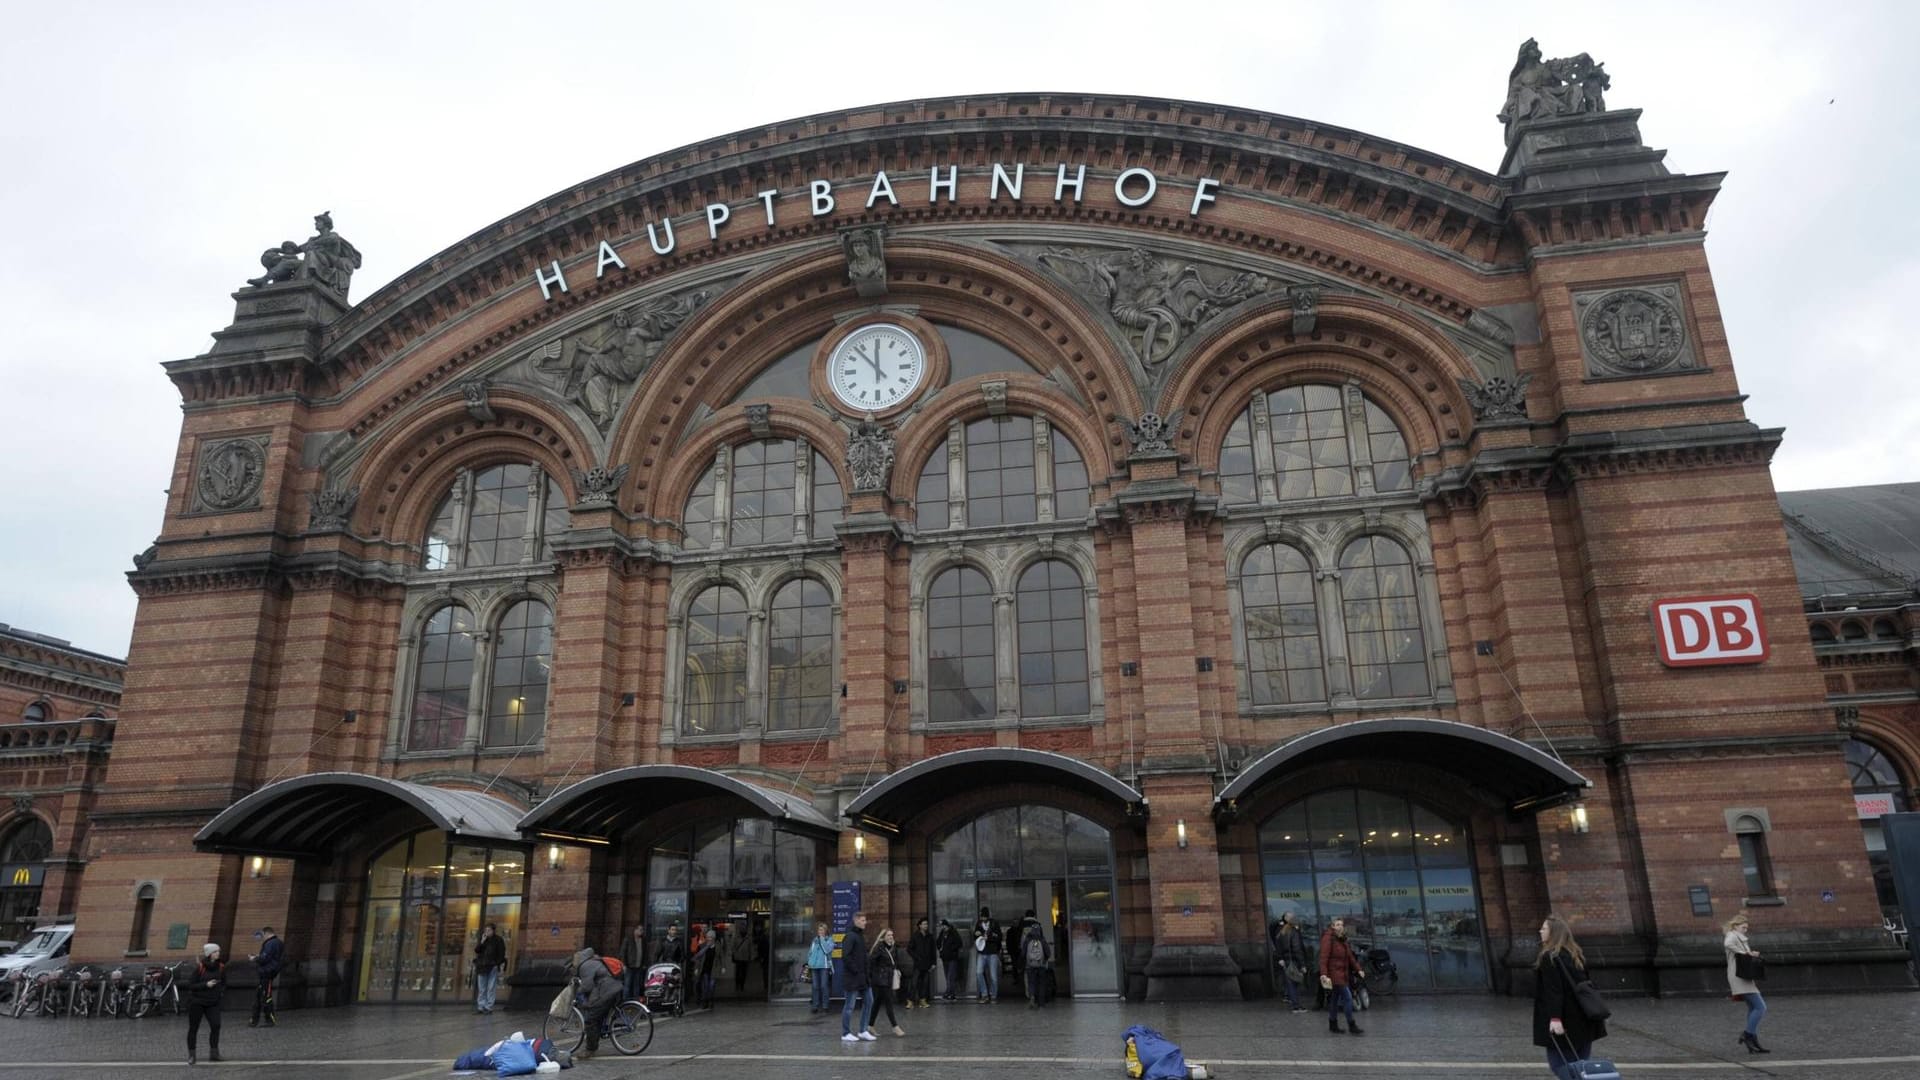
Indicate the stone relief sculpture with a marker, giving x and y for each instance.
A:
(866, 260)
(1633, 331)
(1155, 301)
(598, 486)
(329, 508)
(1538, 87)
(870, 456)
(1498, 398)
(230, 474)
(330, 259)
(1306, 308)
(1151, 434)
(595, 367)
(474, 392)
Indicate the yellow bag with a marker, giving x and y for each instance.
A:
(1134, 1068)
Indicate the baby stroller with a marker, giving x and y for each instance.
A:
(663, 990)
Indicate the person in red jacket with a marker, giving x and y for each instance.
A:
(1339, 973)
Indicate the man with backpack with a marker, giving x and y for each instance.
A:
(595, 978)
(1036, 954)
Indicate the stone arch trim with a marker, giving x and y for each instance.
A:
(1893, 740)
(788, 418)
(1027, 395)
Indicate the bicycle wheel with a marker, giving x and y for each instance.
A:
(630, 1027)
(566, 1034)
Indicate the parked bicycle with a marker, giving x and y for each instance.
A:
(628, 1026)
(83, 993)
(57, 993)
(157, 987)
(32, 995)
(116, 997)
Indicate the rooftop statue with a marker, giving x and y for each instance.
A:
(1563, 87)
(330, 259)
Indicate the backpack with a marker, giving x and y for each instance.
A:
(1036, 950)
(614, 966)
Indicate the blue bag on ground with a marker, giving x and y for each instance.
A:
(514, 1059)
(1159, 1059)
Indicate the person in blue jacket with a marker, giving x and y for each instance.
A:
(267, 964)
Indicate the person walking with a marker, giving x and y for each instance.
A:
(204, 991)
(673, 950)
(853, 973)
(1740, 988)
(742, 956)
(820, 969)
(1558, 1023)
(1339, 972)
(947, 944)
(986, 948)
(266, 964)
(703, 958)
(883, 969)
(920, 951)
(633, 957)
(1290, 955)
(489, 956)
(1036, 961)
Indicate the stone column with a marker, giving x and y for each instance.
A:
(1333, 636)
(1006, 684)
(1264, 466)
(536, 507)
(477, 687)
(1042, 469)
(756, 719)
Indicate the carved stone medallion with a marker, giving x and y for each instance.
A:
(1635, 331)
(598, 486)
(870, 456)
(329, 508)
(230, 474)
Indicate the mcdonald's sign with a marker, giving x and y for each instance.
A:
(22, 874)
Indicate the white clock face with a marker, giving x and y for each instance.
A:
(877, 367)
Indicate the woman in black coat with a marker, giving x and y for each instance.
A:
(1558, 1024)
(205, 989)
(883, 967)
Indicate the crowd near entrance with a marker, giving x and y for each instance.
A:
(1399, 873)
(752, 885)
(426, 902)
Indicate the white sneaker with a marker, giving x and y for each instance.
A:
(867, 1036)
(849, 1038)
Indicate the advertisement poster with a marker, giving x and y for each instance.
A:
(846, 901)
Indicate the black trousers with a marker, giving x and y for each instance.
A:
(195, 1011)
(263, 998)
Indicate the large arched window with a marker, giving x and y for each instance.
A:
(1312, 441)
(1284, 664)
(960, 679)
(1877, 791)
(142, 918)
(443, 680)
(1052, 609)
(716, 664)
(502, 515)
(1385, 646)
(522, 660)
(800, 657)
(36, 713)
(1009, 470)
(767, 497)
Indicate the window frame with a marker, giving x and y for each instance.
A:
(544, 521)
(813, 475)
(760, 582)
(1255, 433)
(1045, 466)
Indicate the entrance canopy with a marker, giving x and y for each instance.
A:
(1525, 778)
(599, 808)
(305, 816)
(902, 794)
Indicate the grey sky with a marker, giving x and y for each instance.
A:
(151, 150)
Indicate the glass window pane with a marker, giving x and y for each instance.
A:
(1087, 847)
(517, 709)
(1052, 630)
(716, 662)
(1237, 481)
(497, 525)
(1043, 842)
(1384, 639)
(960, 680)
(999, 462)
(698, 518)
(950, 858)
(996, 837)
(800, 656)
(668, 866)
(1283, 643)
(752, 853)
(930, 498)
(712, 855)
(442, 681)
(829, 509)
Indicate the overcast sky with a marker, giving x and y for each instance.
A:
(148, 151)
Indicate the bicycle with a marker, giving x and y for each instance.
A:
(628, 1026)
(116, 997)
(32, 994)
(58, 992)
(157, 985)
(83, 998)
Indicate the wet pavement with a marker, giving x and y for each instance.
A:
(1859, 1037)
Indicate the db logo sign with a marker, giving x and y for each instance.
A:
(1694, 631)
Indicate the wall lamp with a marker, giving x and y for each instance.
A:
(1180, 832)
(556, 857)
(260, 867)
(1577, 817)
(859, 847)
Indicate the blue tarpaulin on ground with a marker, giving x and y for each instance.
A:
(1159, 1059)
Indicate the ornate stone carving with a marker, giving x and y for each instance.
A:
(995, 393)
(329, 508)
(1538, 87)
(870, 456)
(1498, 398)
(598, 486)
(1634, 331)
(596, 367)
(145, 558)
(760, 420)
(23, 803)
(1847, 718)
(474, 390)
(1151, 434)
(1156, 302)
(1306, 308)
(866, 259)
(1490, 326)
(229, 474)
(330, 259)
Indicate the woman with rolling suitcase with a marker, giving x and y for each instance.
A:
(1560, 1021)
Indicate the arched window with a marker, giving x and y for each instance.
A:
(1319, 441)
(1884, 630)
(1756, 866)
(142, 918)
(35, 713)
(1284, 664)
(800, 657)
(1385, 646)
(716, 665)
(30, 841)
(522, 661)
(1852, 630)
(1877, 791)
(1000, 476)
(1822, 634)
(762, 490)
(443, 681)
(1052, 608)
(502, 515)
(960, 682)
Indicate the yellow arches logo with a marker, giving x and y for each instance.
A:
(23, 876)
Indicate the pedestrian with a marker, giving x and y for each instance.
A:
(703, 958)
(266, 965)
(986, 950)
(947, 944)
(633, 957)
(204, 991)
(1290, 956)
(920, 951)
(1740, 988)
(742, 957)
(1559, 1025)
(1339, 973)
(820, 968)
(883, 970)
(673, 950)
(1036, 960)
(853, 974)
(602, 991)
(489, 956)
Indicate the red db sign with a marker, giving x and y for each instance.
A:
(1694, 631)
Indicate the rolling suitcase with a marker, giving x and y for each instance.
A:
(1589, 1068)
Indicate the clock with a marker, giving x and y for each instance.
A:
(877, 367)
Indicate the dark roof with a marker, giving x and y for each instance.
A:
(601, 807)
(304, 816)
(901, 795)
(1854, 540)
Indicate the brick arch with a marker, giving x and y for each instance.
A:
(403, 480)
(1900, 747)
(964, 286)
(1027, 395)
(788, 418)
